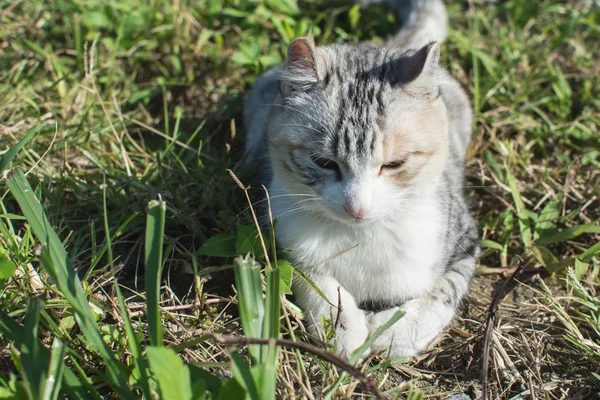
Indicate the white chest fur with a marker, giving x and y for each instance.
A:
(392, 259)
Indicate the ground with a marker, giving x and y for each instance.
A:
(137, 100)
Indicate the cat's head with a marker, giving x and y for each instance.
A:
(359, 126)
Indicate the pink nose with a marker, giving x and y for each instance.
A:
(357, 213)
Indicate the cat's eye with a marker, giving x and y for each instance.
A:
(327, 164)
(393, 165)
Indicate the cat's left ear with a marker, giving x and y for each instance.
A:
(417, 73)
(300, 70)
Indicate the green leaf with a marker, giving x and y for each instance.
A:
(490, 244)
(7, 267)
(6, 158)
(591, 252)
(212, 383)
(545, 225)
(221, 245)
(354, 15)
(172, 375)
(97, 19)
(198, 390)
(243, 376)
(233, 390)
(248, 240)
(155, 228)
(566, 234)
(72, 384)
(134, 346)
(523, 216)
(56, 368)
(56, 263)
(33, 376)
(250, 300)
(545, 257)
(286, 274)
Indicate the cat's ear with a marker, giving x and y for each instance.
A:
(417, 73)
(300, 70)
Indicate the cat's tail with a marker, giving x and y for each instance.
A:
(423, 22)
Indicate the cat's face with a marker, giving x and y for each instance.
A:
(357, 128)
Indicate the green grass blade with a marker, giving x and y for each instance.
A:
(56, 263)
(155, 228)
(523, 217)
(172, 375)
(56, 368)
(6, 158)
(244, 376)
(250, 301)
(133, 344)
(72, 386)
(33, 375)
(271, 329)
(591, 252)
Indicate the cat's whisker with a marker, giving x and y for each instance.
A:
(258, 202)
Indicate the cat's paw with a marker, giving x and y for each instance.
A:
(351, 333)
(413, 332)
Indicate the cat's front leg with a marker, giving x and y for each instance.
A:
(426, 316)
(351, 327)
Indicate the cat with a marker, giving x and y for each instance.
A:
(362, 149)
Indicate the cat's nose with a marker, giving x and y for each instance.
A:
(357, 213)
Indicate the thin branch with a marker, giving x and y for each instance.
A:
(317, 351)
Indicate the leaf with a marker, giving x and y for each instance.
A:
(490, 244)
(248, 240)
(7, 267)
(243, 376)
(354, 15)
(250, 300)
(6, 158)
(155, 228)
(172, 375)
(545, 257)
(524, 221)
(56, 368)
(591, 252)
(212, 383)
(198, 390)
(96, 19)
(221, 245)
(580, 269)
(286, 274)
(56, 263)
(233, 390)
(549, 214)
(566, 234)
(33, 376)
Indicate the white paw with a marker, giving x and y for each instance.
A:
(412, 333)
(351, 333)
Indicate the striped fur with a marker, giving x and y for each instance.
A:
(362, 149)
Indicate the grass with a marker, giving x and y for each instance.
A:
(129, 115)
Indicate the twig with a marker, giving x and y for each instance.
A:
(174, 308)
(260, 236)
(340, 309)
(317, 351)
(489, 325)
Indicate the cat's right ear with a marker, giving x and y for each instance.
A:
(300, 71)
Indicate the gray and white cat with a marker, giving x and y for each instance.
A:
(362, 150)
